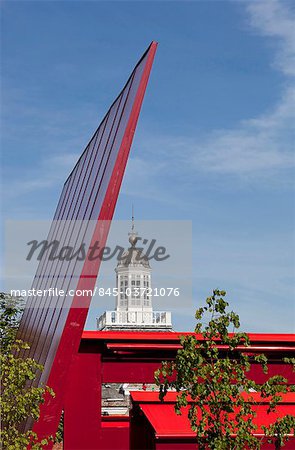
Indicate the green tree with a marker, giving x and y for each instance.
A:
(20, 399)
(210, 375)
(11, 309)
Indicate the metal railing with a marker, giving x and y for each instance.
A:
(142, 319)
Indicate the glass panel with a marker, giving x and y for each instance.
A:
(81, 199)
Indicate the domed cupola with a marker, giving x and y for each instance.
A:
(133, 256)
(134, 310)
(133, 277)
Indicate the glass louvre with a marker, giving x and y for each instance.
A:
(79, 206)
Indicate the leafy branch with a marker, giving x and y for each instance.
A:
(211, 377)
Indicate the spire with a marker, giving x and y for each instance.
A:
(133, 238)
(132, 218)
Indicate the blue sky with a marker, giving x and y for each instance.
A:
(214, 143)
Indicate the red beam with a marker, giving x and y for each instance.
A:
(158, 347)
(142, 371)
(175, 336)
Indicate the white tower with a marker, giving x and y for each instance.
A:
(134, 308)
(134, 279)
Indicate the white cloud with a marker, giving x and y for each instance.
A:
(49, 173)
(276, 19)
(257, 150)
(262, 146)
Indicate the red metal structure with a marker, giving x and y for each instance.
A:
(155, 426)
(122, 357)
(53, 327)
(76, 365)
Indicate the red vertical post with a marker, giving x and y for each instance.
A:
(82, 409)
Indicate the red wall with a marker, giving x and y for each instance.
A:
(115, 434)
(102, 359)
